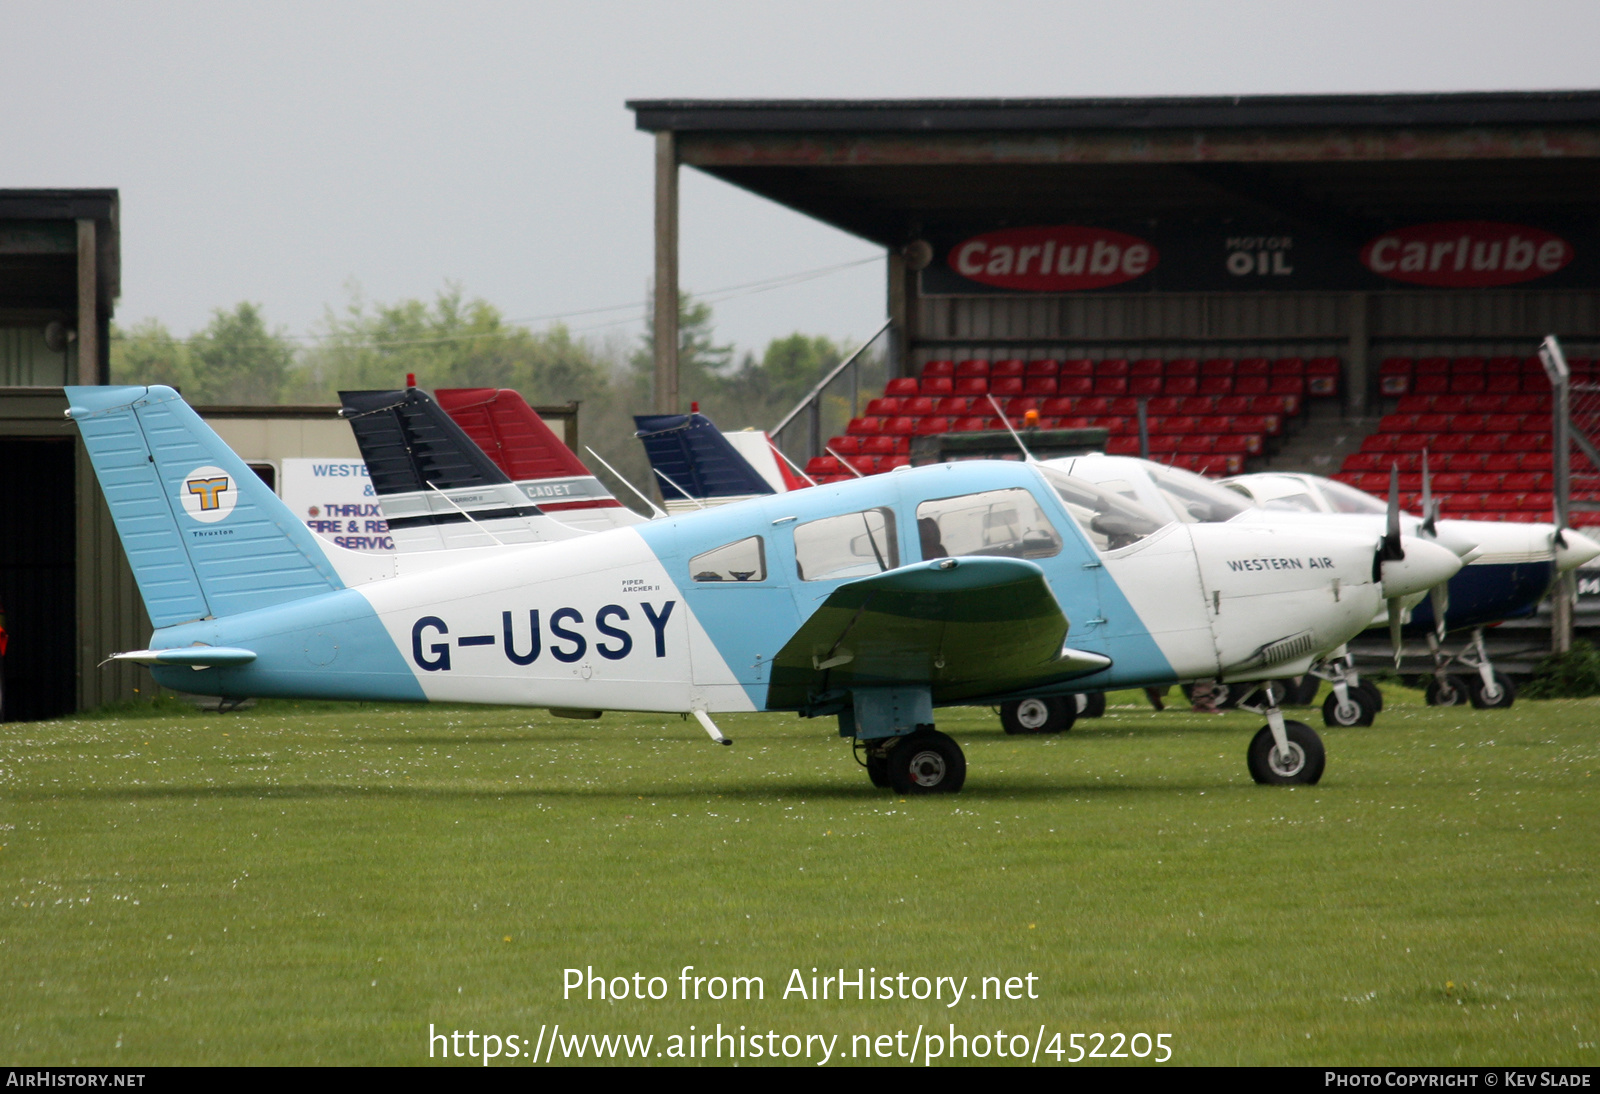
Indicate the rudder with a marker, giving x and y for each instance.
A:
(204, 535)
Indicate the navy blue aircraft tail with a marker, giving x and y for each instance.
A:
(694, 464)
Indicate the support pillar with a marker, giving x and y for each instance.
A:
(899, 315)
(1357, 378)
(666, 279)
(88, 307)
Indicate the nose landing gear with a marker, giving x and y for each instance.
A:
(1283, 753)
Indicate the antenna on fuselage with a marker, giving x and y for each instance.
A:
(451, 502)
(1029, 456)
(784, 457)
(698, 503)
(660, 512)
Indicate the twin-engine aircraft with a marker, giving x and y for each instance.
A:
(874, 601)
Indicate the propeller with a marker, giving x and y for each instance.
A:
(1430, 507)
(1392, 550)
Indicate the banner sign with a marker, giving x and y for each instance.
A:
(1186, 257)
(336, 500)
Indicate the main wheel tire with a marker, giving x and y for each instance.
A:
(1302, 766)
(878, 771)
(1093, 704)
(1053, 715)
(1506, 696)
(1302, 692)
(1372, 692)
(1448, 692)
(1357, 712)
(927, 762)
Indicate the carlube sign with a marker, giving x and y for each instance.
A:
(1065, 258)
(1466, 254)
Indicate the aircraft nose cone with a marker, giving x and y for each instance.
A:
(1579, 549)
(1425, 565)
(1455, 539)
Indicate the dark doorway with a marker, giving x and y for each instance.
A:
(38, 587)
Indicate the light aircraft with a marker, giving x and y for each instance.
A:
(1174, 494)
(1511, 569)
(874, 601)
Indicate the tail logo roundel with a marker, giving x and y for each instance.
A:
(208, 494)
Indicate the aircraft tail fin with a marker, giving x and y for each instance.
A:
(694, 464)
(501, 422)
(204, 535)
(438, 489)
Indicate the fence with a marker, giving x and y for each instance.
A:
(839, 396)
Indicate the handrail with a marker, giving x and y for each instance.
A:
(816, 392)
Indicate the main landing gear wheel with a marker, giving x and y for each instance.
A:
(1090, 704)
(1505, 695)
(878, 770)
(1302, 694)
(1450, 691)
(1053, 715)
(1372, 692)
(1359, 711)
(927, 762)
(1302, 765)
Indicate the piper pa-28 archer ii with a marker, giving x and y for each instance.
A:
(874, 601)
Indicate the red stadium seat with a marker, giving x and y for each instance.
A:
(1289, 366)
(865, 425)
(1122, 446)
(972, 367)
(880, 445)
(1216, 384)
(1467, 364)
(1011, 366)
(1040, 385)
(1075, 385)
(1288, 385)
(1164, 404)
(1503, 383)
(1363, 461)
(972, 385)
(1468, 383)
(1146, 366)
(1217, 366)
(1005, 385)
(1093, 405)
(953, 406)
(932, 424)
(937, 385)
(1113, 366)
(1432, 365)
(971, 424)
(1048, 367)
(824, 465)
(1180, 385)
(1182, 366)
(884, 407)
(1432, 383)
(1322, 376)
(1077, 366)
(846, 445)
(1394, 376)
(902, 385)
(1145, 385)
(1252, 366)
(922, 404)
(1257, 385)
(939, 368)
(1123, 404)
(1197, 404)
(1111, 385)
(1057, 407)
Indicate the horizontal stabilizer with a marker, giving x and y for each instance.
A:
(964, 627)
(200, 657)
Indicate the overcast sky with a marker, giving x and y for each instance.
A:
(282, 152)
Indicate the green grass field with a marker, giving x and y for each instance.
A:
(318, 883)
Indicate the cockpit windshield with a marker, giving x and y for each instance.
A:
(1197, 500)
(1109, 520)
(1347, 499)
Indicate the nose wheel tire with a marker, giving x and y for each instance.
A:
(927, 762)
(1451, 691)
(1052, 715)
(1374, 694)
(1359, 711)
(1506, 692)
(1301, 766)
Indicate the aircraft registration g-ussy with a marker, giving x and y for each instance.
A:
(874, 601)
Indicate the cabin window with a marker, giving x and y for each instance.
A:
(1109, 520)
(1007, 523)
(743, 560)
(854, 545)
(1197, 500)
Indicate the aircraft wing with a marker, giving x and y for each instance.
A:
(965, 627)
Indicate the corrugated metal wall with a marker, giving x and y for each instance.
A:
(26, 361)
(1248, 324)
(111, 615)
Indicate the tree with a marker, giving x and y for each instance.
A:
(236, 359)
(149, 354)
(702, 364)
(453, 342)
